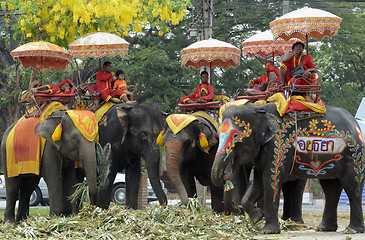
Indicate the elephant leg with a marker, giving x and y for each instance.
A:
(79, 177)
(105, 192)
(12, 192)
(232, 198)
(252, 196)
(189, 182)
(271, 203)
(27, 186)
(332, 191)
(51, 172)
(293, 196)
(217, 198)
(68, 189)
(354, 192)
(133, 179)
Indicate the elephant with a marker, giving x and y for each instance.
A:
(57, 168)
(132, 133)
(187, 156)
(325, 146)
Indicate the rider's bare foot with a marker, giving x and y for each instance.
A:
(131, 102)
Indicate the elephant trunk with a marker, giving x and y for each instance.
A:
(89, 161)
(220, 163)
(174, 158)
(153, 167)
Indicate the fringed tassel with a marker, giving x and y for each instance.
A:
(160, 140)
(203, 140)
(57, 133)
(228, 186)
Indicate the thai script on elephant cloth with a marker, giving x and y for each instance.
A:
(24, 149)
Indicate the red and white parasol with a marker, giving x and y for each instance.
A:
(263, 44)
(306, 23)
(210, 53)
(98, 45)
(41, 55)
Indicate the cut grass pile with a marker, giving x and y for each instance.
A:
(154, 222)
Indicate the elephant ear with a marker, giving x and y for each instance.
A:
(208, 137)
(46, 127)
(122, 114)
(268, 126)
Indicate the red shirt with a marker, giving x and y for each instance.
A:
(264, 78)
(103, 80)
(293, 62)
(206, 87)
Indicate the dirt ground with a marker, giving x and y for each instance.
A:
(308, 232)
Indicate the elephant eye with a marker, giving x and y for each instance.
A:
(144, 136)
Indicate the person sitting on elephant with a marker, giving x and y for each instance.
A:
(104, 86)
(263, 83)
(203, 92)
(295, 65)
(120, 84)
(64, 87)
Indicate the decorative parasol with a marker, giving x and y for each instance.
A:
(210, 53)
(41, 55)
(306, 23)
(98, 45)
(263, 44)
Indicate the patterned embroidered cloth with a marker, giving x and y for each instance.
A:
(177, 122)
(208, 118)
(102, 110)
(295, 103)
(235, 103)
(24, 149)
(86, 123)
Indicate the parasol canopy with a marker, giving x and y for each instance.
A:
(41, 55)
(210, 53)
(98, 45)
(306, 23)
(263, 44)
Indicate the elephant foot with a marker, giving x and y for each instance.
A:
(271, 229)
(255, 215)
(325, 227)
(294, 219)
(355, 229)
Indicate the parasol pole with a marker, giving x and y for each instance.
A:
(306, 37)
(273, 57)
(100, 64)
(40, 70)
(210, 69)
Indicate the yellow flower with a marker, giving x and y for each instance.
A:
(29, 35)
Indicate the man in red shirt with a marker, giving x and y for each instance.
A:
(267, 80)
(295, 65)
(203, 92)
(105, 88)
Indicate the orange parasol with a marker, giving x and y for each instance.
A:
(306, 23)
(98, 45)
(263, 44)
(41, 55)
(210, 53)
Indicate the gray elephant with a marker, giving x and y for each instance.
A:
(191, 143)
(57, 166)
(132, 133)
(328, 147)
